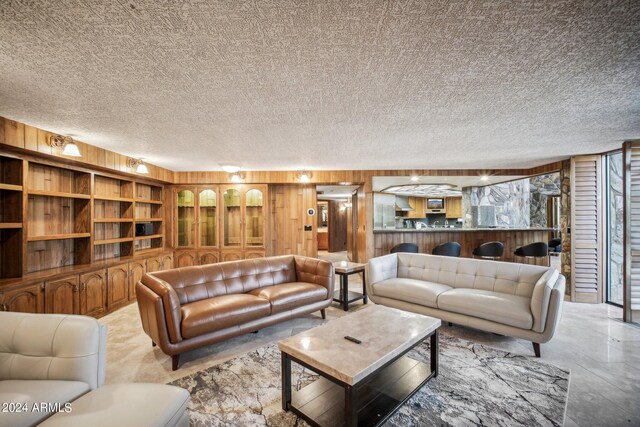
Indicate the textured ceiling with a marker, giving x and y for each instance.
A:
(274, 85)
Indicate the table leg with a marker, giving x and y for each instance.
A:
(365, 299)
(345, 292)
(286, 381)
(350, 406)
(434, 353)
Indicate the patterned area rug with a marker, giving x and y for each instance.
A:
(476, 385)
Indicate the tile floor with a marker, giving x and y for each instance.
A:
(602, 352)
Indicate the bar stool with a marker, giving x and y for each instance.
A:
(489, 250)
(555, 245)
(405, 247)
(533, 250)
(447, 249)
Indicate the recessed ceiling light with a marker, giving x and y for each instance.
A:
(415, 178)
(484, 178)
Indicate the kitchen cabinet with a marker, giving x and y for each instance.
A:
(453, 207)
(28, 299)
(93, 293)
(418, 205)
(62, 296)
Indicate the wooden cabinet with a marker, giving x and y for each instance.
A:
(208, 257)
(166, 262)
(154, 264)
(418, 204)
(244, 218)
(136, 271)
(253, 254)
(28, 299)
(117, 286)
(62, 296)
(453, 207)
(186, 258)
(93, 293)
(231, 255)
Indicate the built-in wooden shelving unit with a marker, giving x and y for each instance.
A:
(55, 216)
(11, 194)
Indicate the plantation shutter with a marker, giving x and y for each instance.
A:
(632, 230)
(586, 229)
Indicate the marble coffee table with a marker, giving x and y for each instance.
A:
(360, 384)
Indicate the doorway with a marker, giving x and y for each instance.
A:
(337, 221)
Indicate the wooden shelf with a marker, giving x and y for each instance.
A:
(10, 225)
(153, 236)
(148, 219)
(111, 241)
(58, 194)
(58, 237)
(149, 201)
(10, 187)
(148, 251)
(113, 220)
(114, 198)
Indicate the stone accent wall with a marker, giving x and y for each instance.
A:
(540, 188)
(565, 221)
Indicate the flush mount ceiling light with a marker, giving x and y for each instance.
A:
(415, 178)
(69, 147)
(138, 164)
(484, 178)
(230, 168)
(304, 176)
(236, 177)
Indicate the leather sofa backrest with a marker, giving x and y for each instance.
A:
(234, 277)
(505, 277)
(52, 347)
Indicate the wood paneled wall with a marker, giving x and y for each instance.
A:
(289, 204)
(18, 135)
(427, 240)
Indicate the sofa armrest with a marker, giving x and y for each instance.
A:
(317, 271)
(381, 268)
(52, 347)
(540, 298)
(555, 309)
(170, 303)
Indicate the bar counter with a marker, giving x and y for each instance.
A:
(469, 238)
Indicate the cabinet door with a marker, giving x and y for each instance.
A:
(453, 207)
(136, 271)
(154, 264)
(24, 300)
(93, 293)
(232, 218)
(207, 219)
(166, 262)
(117, 286)
(62, 296)
(185, 218)
(208, 257)
(253, 254)
(231, 255)
(254, 218)
(186, 258)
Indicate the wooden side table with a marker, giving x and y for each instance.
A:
(343, 296)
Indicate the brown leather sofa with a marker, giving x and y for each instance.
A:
(187, 308)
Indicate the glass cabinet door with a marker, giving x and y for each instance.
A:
(254, 222)
(208, 220)
(186, 218)
(232, 218)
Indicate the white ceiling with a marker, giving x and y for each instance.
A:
(275, 85)
(458, 182)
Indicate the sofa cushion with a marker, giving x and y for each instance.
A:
(411, 290)
(221, 312)
(36, 392)
(288, 296)
(495, 306)
(149, 405)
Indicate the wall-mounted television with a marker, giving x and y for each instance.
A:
(435, 203)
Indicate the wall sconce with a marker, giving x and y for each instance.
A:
(304, 176)
(139, 165)
(236, 177)
(69, 148)
(347, 205)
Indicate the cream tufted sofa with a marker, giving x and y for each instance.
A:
(518, 300)
(52, 370)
